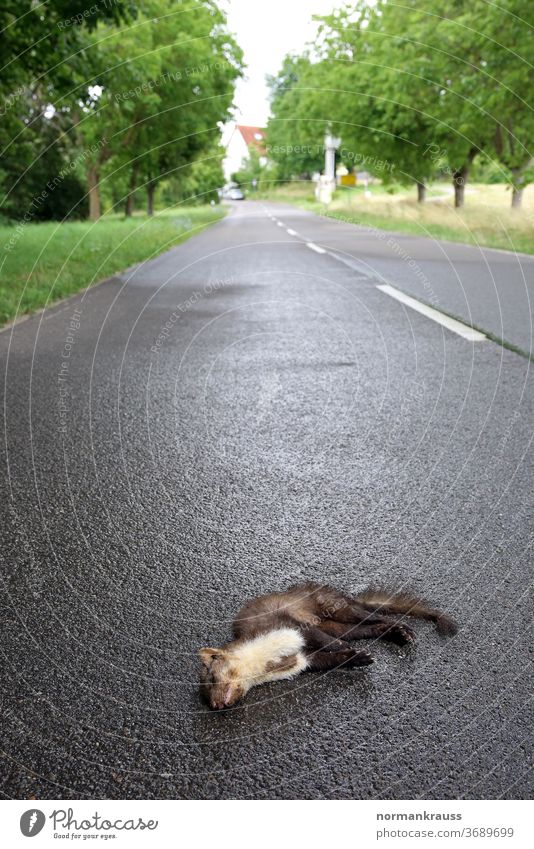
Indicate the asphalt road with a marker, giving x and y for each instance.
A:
(241, 413)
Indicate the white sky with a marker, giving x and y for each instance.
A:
(266, 30)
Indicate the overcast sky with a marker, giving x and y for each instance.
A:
(266, 31)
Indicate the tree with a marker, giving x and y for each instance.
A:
(464, 67)
(422, 87)
(402, 89)
(351, 89)
(163, 88)
(505, 42)
(201, 62)
(252, 171)
(120, 97)
(294, 141)
(128, 98)
(43, 61)
(379, 122)
(198, 181)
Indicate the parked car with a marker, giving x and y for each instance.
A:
(235, 194)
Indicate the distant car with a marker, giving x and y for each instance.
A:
(235, 194)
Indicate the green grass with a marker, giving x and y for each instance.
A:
(486, 219)
(42, 263)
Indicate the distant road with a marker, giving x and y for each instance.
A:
(260, 405)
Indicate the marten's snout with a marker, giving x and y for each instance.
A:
(225, 697)
(220, 701)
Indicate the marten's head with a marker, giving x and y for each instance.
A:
(229, 672)
(221, 681)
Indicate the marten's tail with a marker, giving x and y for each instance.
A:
(383, 601)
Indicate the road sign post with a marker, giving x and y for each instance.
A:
(327, 181)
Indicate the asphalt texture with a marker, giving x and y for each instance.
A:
(237, 415)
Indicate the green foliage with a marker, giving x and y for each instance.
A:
(43, 61)
(131, 95)
(294, 138)
(197, 182)
(166, 84)
(414, 89)
(252, 172)
(50, 186)
(41, 43)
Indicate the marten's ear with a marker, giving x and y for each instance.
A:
(208, 655)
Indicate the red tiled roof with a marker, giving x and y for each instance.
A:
(250, 136)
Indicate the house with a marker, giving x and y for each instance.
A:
(237, 139)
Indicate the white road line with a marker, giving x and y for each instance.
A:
(279, 223)
(450, 323)
(316, 248)
(292, 232)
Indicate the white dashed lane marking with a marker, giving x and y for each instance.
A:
(458, 327)
(450, 323)
(316, 248)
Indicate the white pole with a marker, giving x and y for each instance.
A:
(328, 180)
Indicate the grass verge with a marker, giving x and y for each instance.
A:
(485, 220)
(42, 263)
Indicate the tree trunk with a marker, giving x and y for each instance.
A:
(421, 192)
(458, 182)
(129, 204)
(93, 180)
(518, 186)
(517, 196)
(459, 178)
(150, 191)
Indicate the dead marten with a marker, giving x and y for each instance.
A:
(280, 635)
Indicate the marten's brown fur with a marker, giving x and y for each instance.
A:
(307, 627)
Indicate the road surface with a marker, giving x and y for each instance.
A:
(246, 411)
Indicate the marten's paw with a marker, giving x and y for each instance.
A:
(335, 646)
(350, 659)
(400, 634)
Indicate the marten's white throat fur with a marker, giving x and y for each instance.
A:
(257, 659)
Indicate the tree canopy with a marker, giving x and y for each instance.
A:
(117, 94)
(422, 87)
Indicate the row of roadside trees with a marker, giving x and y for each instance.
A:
(415, 91)
(110, 99)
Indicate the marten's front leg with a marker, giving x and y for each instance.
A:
(384, 629)
(348, 659)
